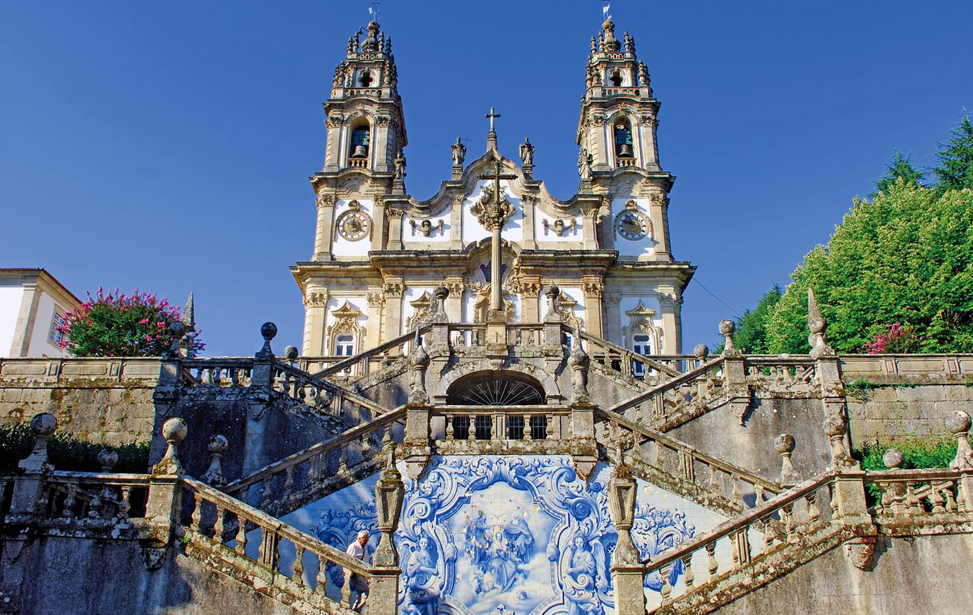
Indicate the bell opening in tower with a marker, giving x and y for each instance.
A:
(360, 138)
(623, 143)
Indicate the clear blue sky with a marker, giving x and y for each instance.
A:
(167, 145)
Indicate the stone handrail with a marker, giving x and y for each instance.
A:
(207, 530)
(669, 385)
(737, 532)
(688, 457)
(460, 422)
(606, 353)
(295, 381)
(90, 495)
(915, 493)
(313, 455)
(894, 368)
(101, 369)
(370, 354)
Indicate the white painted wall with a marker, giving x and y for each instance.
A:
(641, 247)
(10, 298)
(410, 236)
(411, 294)
(343, 247)
(473, 231)
(548, 235)
(40, 345)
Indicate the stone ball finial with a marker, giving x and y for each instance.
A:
(701, 351)
(957, 423)
(291, 353)
(178, 329)
(268, 331)
(784, 443)
(440, 292)
(817, 325)
(43, 424)
(834, 425)
(217, 444)
(174, 430)
(552, 291)
(107, 459)
(727, 327)
(893, 459)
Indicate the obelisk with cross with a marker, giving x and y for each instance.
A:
(493, 216)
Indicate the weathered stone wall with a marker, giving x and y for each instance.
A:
(81, 577)
(101, 400)
(924, 574)
(892, 411)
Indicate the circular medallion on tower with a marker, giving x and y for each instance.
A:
(354, 224)
(632, 224)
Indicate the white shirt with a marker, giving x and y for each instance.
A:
(356, 550)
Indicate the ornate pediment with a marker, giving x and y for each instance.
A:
(346, 320)
(423, 311)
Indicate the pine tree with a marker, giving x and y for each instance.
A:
(899, 167)
(955, 170)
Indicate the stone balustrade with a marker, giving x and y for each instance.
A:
(916, 494)
(506, 423)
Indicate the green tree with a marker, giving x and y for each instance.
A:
(751, 329)
(899, 166)
(116, 325)
(955, 170)
(906, 257)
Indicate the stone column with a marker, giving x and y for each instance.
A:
(599, 144)
(165, 500)
(593, 287)
(324, 232)
(648, 126)
(456, 223)
(669, 303)
(612, 324)
(393, 289)
(315, 321)
(395, 228)
(658, 207)
(627, 570)
(373, 322)
(454, 302)
(528, 202)
(378, 223)
(530, 289)
(381, 141)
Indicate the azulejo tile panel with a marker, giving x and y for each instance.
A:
(506, 535)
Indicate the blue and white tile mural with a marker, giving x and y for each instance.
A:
(506, 535)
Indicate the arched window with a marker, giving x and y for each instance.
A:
(623, 138)
(643, 347)
(360, 138)
(344, 345)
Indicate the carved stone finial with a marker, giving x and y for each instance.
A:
(893, 459)
(268, 331)
(174, 431)
(701, 351)
(440, 293)
(217, 447)
(43, 425)
(418, 363)
(816, 326)
(578, 362)
(727, 328)
(178, 330)
(553, 294)
(836, 427)
(784, 445)
(291, 353)
(958, 424)
(107, 459)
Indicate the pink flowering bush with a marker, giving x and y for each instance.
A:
(899, 339)
(116, 325)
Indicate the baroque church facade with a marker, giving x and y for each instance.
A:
(380, 253)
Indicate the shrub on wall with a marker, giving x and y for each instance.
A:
(117, 325)
(67, 452)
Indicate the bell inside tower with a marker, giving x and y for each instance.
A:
(623, 142)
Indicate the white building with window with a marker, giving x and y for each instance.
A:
(32, 306)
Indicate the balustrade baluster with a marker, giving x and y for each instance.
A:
(345, 588)
(289, 481)
(218, 525)
(936, 497)
(759, 492)
(124, 504)
(197, 516)
(712, 566)
(689, 578)
(471, 430)
(666, 586)
(322, 577)
(950, 499)
(770, 534)
(449, 426)
(69, 500)
(787, 516)
(298, 565)
(234, 376)
(266, 499)
(528, 427)
(714, 482)
(549, 428)
(911, 501)
(241, 535)
(813, 512)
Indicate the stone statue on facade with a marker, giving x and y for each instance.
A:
(459, 153)
(527, 153)
(584, 164)
(399, 166)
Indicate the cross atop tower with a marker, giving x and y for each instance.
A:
(492, 135)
